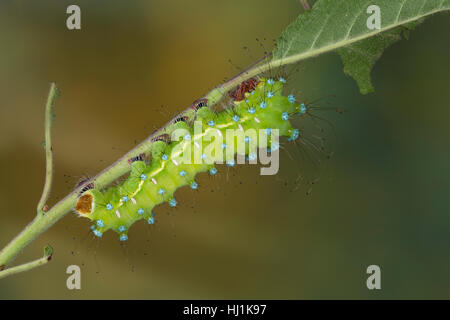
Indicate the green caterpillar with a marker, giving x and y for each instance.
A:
(257, 104)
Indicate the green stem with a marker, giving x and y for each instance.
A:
(52, 95)
(48, 252)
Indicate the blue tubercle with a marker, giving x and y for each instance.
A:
(291, 98)
(125, 198)
(231, 163)
(270, 81)
(165, 157)
(98, 233)
(151, 220)
(211, 123)
(161, 191)
(302, 108)
(251, 110)
(173, 202)
(194, 185)
(282, 80)
(109, 206)
(100, 223)
(285, 116)
(122, 228)
(143, 176)
(275, 146)
(235, 118)
(183, 173)
(263, 105)
(212, 171)
(270, 94)
(123, 237)
(294, 136)
(140, 211)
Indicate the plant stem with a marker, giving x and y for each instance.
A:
(52, 95)
(48, 252)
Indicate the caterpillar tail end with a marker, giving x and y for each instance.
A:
(85, 204)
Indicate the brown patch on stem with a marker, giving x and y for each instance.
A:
(84, 204)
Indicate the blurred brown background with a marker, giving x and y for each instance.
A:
(382, 199)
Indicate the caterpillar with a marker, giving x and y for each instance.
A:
(257, 104)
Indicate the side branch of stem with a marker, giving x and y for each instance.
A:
(48, 253)
(52, 95)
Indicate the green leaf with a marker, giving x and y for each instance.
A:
(342, 25)
(48, 252)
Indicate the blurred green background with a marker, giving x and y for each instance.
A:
(382, 199)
